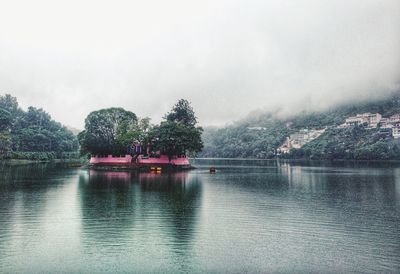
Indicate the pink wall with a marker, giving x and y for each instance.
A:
(109, 160)
(164, 160)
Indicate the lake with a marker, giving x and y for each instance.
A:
(250, 216)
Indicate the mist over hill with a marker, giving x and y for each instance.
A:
(260, 135)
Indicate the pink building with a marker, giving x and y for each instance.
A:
(141, 161)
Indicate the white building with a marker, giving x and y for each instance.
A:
(374, 119)
(394, 118)
(385, 123)
(370, 119)
(256, 128)
(396, 132)
(299, 139)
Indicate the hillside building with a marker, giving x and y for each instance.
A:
(299, 139)
(371, 120)
(396, 132)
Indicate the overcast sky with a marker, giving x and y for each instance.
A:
(228, 57)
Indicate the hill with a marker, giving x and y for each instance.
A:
(261, 136)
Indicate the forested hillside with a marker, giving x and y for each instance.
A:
(261, 136)
(32, 134)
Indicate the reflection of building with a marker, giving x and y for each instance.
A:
(162, 179)
(116, 204)
(109, 176)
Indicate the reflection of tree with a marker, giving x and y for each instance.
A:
(107, 203)
(23, 195)
(178, 197)
(30, 182)
(121, 206)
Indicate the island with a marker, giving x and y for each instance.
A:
(117, 138)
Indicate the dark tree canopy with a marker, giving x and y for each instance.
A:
(9, 103)
(32, 131)
(182, 112)
(178, 134)
(109, 131)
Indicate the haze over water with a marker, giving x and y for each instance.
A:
(254, 216)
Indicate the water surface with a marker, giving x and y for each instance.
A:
(250, 216)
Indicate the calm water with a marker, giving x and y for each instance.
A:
(251, 216)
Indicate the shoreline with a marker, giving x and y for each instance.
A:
(28, 162)
(298, 159)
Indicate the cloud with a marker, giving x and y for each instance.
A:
(227, 57)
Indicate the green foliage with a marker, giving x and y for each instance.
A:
(355, 143)
(5, 145)
(178, 134)
(32, 132)
(109, 131)
(183, 113)
(34, 155)
(9, 103)
(173, 138)
(244, 140)
(5, 120)
(241, 141)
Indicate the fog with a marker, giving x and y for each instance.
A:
(228, 57)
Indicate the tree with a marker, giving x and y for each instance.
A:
(8, 111)
(9, 103)
(109, 131)
(5, 145)
(5, 119)
(178, 133)
(183, 113)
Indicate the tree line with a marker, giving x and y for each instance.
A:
(32, 134)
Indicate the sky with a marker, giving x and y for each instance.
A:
(227, 57)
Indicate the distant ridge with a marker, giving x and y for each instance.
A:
(242, 139)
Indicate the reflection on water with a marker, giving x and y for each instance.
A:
(124, 202)
(139, 213)
(251, 216)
